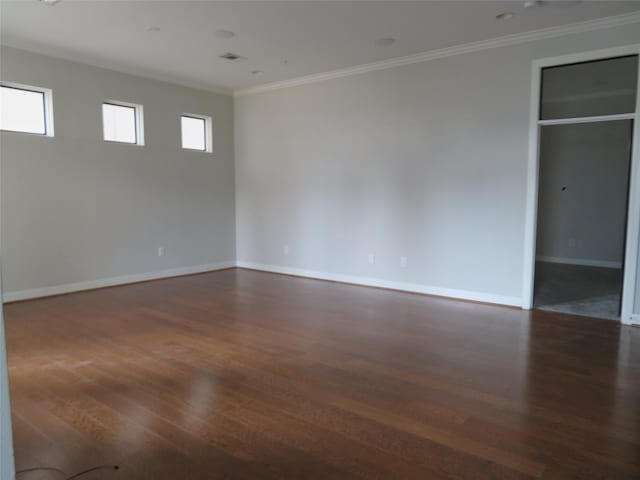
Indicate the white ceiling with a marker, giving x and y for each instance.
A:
(285, 39)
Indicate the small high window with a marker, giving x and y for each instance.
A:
(196, 132)
(122, 122)
(25, 109)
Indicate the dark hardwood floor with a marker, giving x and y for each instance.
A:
(249, 375)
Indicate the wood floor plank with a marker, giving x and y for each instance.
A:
(242, 375)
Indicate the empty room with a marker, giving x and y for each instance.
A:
(315, 239)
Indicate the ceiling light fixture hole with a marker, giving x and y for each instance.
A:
(232, 56)
(505, 16)
(385, 42)
(224, 33)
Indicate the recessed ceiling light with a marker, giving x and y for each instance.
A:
(257, 72)
(224, 34)
(505, 16)
(153, 29)
(232, 56)
(385, 42)
(49, 2)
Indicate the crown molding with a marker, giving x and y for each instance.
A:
(515, 39)
(116, 67)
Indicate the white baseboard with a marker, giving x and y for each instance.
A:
(375, 282)
(113, 281)
(580, 261)
(635, 319)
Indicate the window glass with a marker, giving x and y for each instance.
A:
(194, 135)
(119, 123)
(602, 87)
(22, 110)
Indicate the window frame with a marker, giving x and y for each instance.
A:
(47, 107)
(208, 132)
(138, 116)
(630, 281)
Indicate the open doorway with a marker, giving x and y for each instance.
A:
(587, 113)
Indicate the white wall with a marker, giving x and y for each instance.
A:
(585, 223)
(426, 161)
(77, 209)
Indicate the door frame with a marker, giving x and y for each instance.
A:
(630, 279)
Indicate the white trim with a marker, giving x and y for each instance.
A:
(376, 282)
(117, 67)
(594, 119)
(633, 219)
(531, 213)
(630, 280)
(113, 281)
(515, 39)
(48, 112)
(635, 319)
(579, 261)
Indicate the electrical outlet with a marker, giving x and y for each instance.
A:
(161, 251)
(371, 259)
(285, 249)
(403, 262)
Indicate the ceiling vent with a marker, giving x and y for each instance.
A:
(232, 56)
